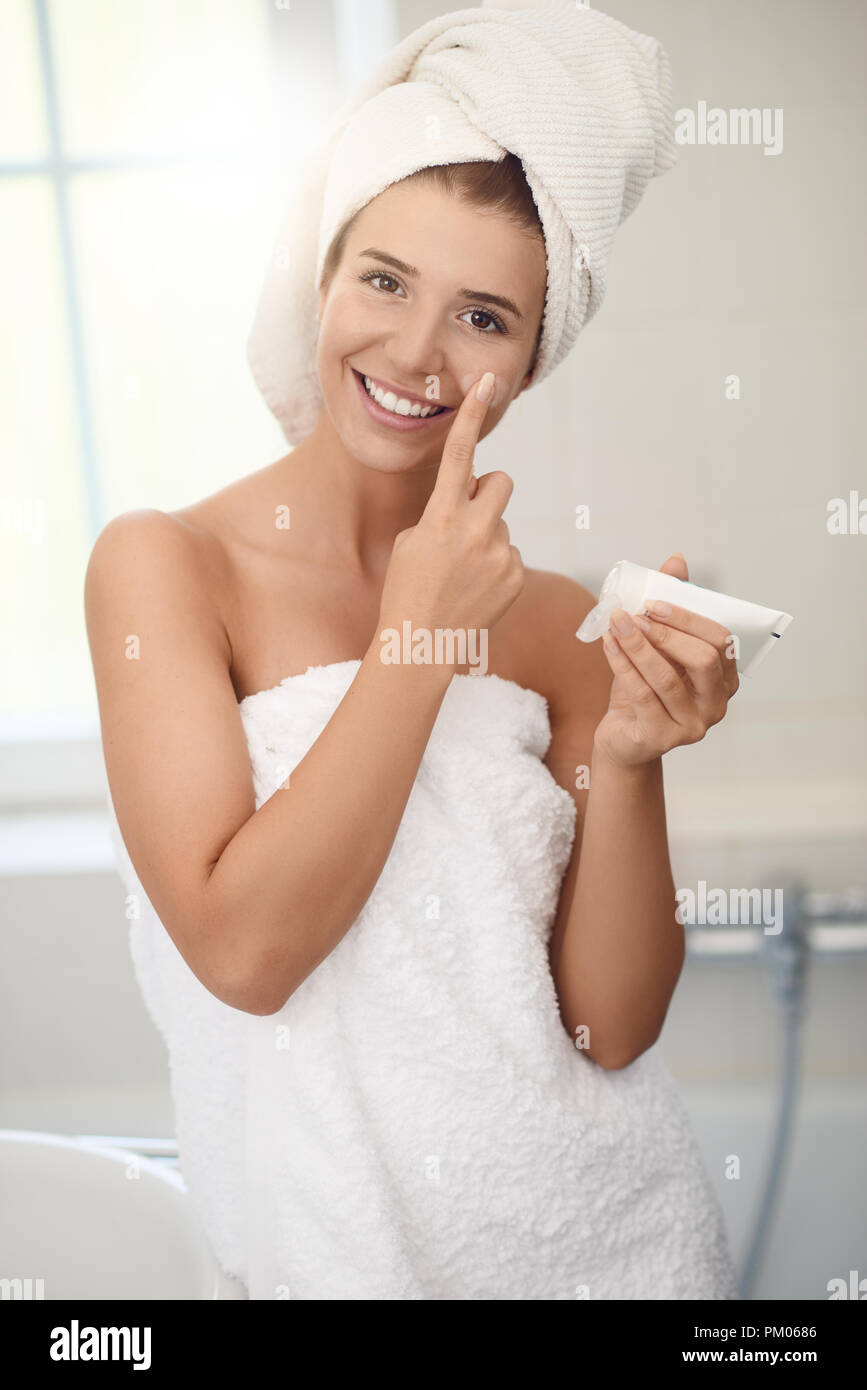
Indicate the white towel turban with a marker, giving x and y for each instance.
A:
(582, 100)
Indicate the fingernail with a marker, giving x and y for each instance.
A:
(622, 622)
(485, 388)
(663, 610)
(642, 623)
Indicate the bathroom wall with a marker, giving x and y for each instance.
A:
(734, 263)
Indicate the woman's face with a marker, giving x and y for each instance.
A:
(429, 294)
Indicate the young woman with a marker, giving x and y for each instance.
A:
(409, 962)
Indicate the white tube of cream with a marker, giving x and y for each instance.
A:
(631, 587)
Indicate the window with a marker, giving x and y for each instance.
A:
(144, 153)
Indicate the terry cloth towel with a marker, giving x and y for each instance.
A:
(415, 1122)
(582, 100)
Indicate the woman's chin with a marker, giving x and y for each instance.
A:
(403, 459)
(397, 453)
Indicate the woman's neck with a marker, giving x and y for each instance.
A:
(359, 509)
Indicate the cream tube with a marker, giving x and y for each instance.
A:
(631, 587)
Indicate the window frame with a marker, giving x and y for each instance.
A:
(56, 762)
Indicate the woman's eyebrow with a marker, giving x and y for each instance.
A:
(484, 295)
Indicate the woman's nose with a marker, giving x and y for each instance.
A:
(416, 344)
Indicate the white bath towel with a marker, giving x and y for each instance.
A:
(415, 1123)
(582, 100)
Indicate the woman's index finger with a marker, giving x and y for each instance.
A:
(456, 465)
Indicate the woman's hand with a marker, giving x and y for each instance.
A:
(673, 679)
(455, 569)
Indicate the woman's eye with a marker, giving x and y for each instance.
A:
(370, 275)
(493, 324)
(498, 325)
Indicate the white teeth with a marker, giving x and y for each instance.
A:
(398, 406)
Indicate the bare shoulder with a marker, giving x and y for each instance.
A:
(149, 562)
(556, 596)
(146, 533)
(156, 547)
(573, 676)
(195, 543)
(192, 541)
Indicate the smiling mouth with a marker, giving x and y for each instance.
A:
(400, 406)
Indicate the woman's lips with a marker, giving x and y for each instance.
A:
(398, 422)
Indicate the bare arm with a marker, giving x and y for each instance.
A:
(619, 948)
(312, 854)
(255, 899)
(616, 949)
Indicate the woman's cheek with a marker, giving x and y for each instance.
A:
(503, 385)
(346, 325)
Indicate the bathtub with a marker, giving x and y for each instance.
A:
(83, 1221)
